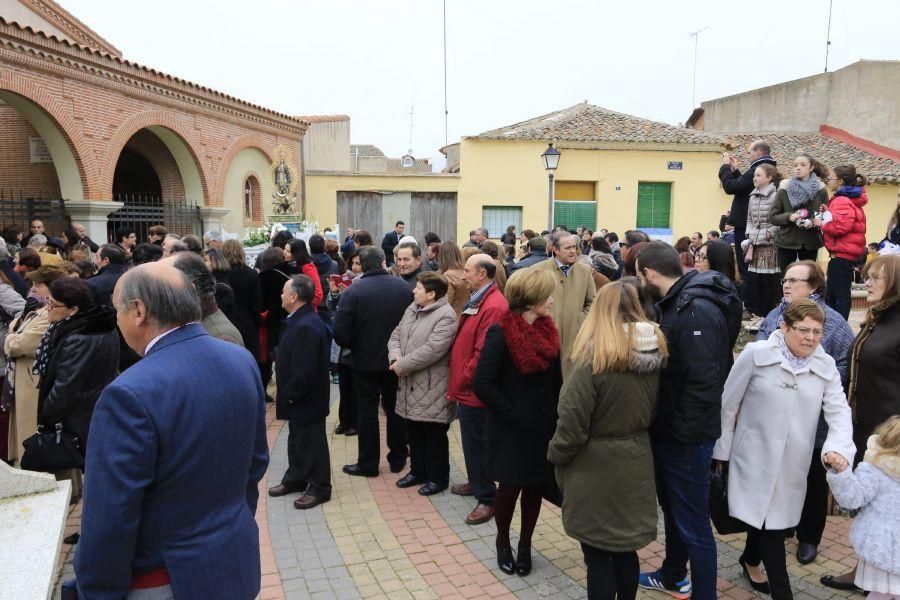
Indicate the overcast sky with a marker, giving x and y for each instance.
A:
(507, 60)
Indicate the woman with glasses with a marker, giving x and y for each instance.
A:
(805, 280)
(874, 371)
(715, 256)
(770, 411)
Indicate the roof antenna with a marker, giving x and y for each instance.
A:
(828, 35)
(446, 113)
(410, 127)
(696, 36)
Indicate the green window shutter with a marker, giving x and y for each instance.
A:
(654, 205)
(573, 214)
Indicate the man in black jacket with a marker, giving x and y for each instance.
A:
(537, 252)
(740, 185)
(326, 267)
(700, 315)
(111, 264)
(369, 311)
(391, 239)
(303, 395)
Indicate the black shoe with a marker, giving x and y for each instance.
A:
(523, 561)
(762, 588)
(396, 467)
(340, 430)
(431, 488)
(806, 553)
(836, 584)
(505, 559)
(357, 471)
(409, 480)
(71, 540)
(350, 431)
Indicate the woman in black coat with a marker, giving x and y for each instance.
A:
(273, 272)
(518, 378)
(76, 359)
(244, 282)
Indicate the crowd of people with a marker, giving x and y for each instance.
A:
(572, 360)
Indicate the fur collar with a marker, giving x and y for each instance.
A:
(890, 464)
(534, 346)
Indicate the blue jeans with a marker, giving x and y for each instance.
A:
(473, 431)
(682, 484)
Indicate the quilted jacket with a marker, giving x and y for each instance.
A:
(845, 234)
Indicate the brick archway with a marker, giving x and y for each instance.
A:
(149, 120)
(65, 124)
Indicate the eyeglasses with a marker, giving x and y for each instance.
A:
(874, 278)
(806, 331)
(701, 257)
(792, 281)
(55, 304)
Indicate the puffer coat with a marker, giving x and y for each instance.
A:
(845, 234)
(420, 345)
(760, 230)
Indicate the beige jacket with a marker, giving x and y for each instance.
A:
(420, 345)
(21, 345)
(571, 302)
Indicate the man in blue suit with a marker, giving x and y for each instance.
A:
(178, 448)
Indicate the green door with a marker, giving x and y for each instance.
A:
(654, 206)
(574, 213)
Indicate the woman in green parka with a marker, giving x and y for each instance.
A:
(601, 448)
(796, 205)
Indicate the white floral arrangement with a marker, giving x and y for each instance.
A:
(259, 236)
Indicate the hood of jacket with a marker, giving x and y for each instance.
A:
(322, 262)
(710, 285)
(645, 356)
(855, 194)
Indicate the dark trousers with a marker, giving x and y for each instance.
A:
(768, 547)
(370, 388)
(786, 256)
(505, 506)
(746, 289)
(837, 292)
(347, 409)
(473, 431)
(611, 575)
(682, 485)
(429, 451)
(309, 463)
(265, 371)
(767, 293)
(815, 506)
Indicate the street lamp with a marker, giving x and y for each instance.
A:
(551, 162)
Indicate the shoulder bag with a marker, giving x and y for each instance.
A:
(52, 451)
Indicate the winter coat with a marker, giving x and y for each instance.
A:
(103, 283)
(875, 372)
(11, 304)
(790, 236)
(571, 303)
(301, 368)
(601, 438)
(412, 278)
(474, 323)
(271, 282)
(769, 420)
(701, 319)
(845, 234)
(388, 243)
(760, 231)
(528, 261)
(83, 361)
(218, 326)
(521, 413)
(740, 185)
(244, 281)
(310, 270)
(325, 267)
(419, 348)
(875, 489)
(368, 312)
(457, 289)
(22, 341)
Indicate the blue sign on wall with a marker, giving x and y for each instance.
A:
(675, 165)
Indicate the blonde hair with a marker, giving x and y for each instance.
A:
(889, 437)
(528, 287)
(468, 252)
(603, 342)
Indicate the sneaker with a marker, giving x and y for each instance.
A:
(653, 581)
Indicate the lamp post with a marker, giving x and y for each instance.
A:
(551, 162)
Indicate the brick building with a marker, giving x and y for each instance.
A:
(122, 143)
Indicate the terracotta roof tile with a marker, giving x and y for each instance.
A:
(366, 150)
(322, 118)
(587, 123)
(832, 152)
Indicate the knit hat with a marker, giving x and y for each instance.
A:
(644, 336)
(46, 273)
(537, 243)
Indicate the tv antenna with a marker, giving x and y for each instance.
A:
(696, 36)
(828, 35)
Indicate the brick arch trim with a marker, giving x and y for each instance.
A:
(256, 208)
(242, 143)
(87, 168)
(142, 121)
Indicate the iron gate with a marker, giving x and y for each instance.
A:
(19, 209)
(141, 212)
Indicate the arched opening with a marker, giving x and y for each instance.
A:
(252, 205)
(38, 166)
(149, 181)
(248, 165)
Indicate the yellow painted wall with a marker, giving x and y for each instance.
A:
(512, 174)
(882, 203)
(322, 189)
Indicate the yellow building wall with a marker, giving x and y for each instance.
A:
(512, 174)
(882, 204)
(322, 189)
(248, 161)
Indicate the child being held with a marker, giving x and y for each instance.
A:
(874, 488)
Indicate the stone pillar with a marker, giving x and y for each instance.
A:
(93, 214)
(213, 217)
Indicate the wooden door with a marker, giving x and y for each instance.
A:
(433, 211)
(361, 210)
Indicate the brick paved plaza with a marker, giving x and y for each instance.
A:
(374, 540)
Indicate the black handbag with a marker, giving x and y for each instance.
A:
(52, 451)
(718, 502)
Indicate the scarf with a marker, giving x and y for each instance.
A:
(872, 317)
(850, 191)
(801, 192)
(45, 350)
(477, 296)
(533, 346)
(795, 363)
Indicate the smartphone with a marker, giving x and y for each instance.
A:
(346, 280)
(336, 279)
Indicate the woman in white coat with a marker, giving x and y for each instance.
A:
(770, 412)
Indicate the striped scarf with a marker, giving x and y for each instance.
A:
(45, 350)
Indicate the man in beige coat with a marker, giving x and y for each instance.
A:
(575, 290)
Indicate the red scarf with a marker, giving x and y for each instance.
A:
(534, 346)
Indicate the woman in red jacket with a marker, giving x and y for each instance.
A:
(296, 252)
(844, 233)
